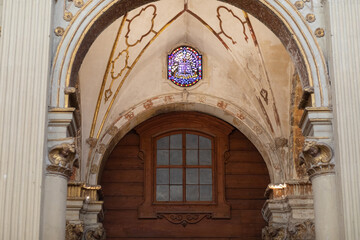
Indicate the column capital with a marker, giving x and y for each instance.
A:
(62, 159)
(316, 122)
(317, 156)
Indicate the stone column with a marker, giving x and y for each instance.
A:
(58, 172)
(318, 158)
(60, 162)
(24, 71)
(344, 57)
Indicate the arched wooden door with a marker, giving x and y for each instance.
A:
(184, 176)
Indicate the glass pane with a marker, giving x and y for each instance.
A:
(192, 176)
(176, 175)
(205, 157)
(176, 141)
(162, 193)
(162, 176)
(191, 157)
(191, 141)
(163, 143)
(176, 193)
(175, 157)
(192, 192)
(204, 143)
(162, 157)
(205, 176)
(205, 192)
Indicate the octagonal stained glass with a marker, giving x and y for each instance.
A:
(184, 66)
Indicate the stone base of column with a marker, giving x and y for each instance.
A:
(289, 212)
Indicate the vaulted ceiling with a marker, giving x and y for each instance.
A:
(244, 64)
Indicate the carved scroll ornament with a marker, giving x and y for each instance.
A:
(317, 157)
(184, 218)
(62, 159)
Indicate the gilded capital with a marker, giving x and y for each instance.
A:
(316, 157)
(74, 231)
(62, 158)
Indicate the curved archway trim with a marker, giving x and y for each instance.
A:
(210, 105)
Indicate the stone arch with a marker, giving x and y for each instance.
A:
(280, 17)
(233, 115)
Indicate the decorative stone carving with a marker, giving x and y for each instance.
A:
(74, 231)
(101, 149)
(113, 130)
(304, 231)
(95, 233)
(183, 218)
(94, 169)
(92, 142)
(62, 159)
(273, 233)
(281, 142)
(317, 156)
(294, 231)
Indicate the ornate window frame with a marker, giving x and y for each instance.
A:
(188, 121)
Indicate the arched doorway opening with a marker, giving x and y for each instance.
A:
(117, 103)
(237, 181)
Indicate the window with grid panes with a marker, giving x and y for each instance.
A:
(184, 168)
(184, 165)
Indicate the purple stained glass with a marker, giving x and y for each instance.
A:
(184, 66)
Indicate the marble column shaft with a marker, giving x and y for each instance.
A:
(344, 63)
(24, 68)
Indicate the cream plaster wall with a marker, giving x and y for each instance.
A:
(235, 72)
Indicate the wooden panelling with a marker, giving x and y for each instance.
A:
(246, 178)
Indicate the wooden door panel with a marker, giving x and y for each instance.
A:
(246, 178)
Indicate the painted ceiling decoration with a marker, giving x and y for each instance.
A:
(243, 62)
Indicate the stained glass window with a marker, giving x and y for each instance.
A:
(184, 66)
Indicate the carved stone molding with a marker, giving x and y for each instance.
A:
(74, 231)
(62, 158)
(304, 230)
(95, 233)
(273, 233)
(317, 157)
(184, 218)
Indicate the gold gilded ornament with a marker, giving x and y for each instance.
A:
(59, 31)
(310, 18)
(78, 3)
(319, 32)
(68, 16)
(299, 5)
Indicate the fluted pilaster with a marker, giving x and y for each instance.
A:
(344, 47)
(24, 62)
